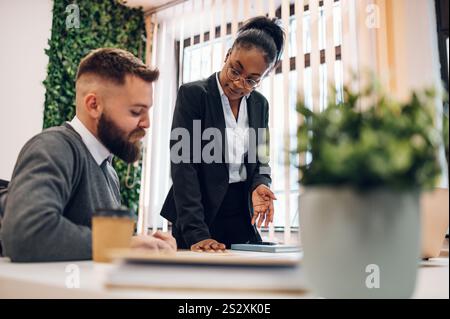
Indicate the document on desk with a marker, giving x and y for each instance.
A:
(210, 271)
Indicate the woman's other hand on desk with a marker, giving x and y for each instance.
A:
(209, 246)
(159, 242)
(262, 200)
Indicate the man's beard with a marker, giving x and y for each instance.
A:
(118, 142)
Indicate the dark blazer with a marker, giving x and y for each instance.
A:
(199, 188)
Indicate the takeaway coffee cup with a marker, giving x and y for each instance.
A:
(111, 229)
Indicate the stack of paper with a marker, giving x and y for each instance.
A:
(228, 271)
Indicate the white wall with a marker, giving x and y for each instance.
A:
(415, 56)
(25, 27)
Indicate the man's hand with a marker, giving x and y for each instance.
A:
(158, 242)
(262, 200)
(167, 237)
(209, 246)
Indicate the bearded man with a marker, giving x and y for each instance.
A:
(64, 174)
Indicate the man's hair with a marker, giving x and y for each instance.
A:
(114, 64)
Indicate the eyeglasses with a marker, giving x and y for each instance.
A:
(235, 75)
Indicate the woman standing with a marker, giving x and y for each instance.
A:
(215, 203)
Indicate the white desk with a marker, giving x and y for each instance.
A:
(48, 280)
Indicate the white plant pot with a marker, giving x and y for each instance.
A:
(360, 245)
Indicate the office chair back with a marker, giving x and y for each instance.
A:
(3, 192)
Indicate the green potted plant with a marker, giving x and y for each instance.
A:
(360, 212)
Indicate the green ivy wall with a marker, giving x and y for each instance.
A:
(102, 23)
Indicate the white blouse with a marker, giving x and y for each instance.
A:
(236, 136)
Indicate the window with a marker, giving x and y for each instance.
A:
(190, 40)
(443, 34)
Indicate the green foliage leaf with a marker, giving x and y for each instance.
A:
(388, 144)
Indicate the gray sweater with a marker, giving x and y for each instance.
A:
(55, 188)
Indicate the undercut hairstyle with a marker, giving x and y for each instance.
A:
(114, 64)
(263, 33)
